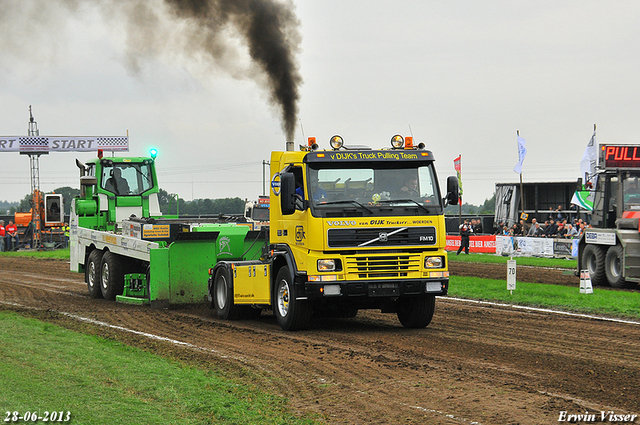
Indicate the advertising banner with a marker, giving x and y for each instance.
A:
(486, 244)
(509, 245)
(46, 144)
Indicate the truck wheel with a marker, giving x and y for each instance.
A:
(112, 276)
(593, 258)
(292, 314)
(613, 267)
(223, 296)
(416, 312)
(92, 274)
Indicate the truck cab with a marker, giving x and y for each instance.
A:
(610, 248)
(115, 188)
(257, 213)
(350, 228)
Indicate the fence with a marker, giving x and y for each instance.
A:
(517, 245)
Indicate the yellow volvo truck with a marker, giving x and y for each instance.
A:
(350, 228)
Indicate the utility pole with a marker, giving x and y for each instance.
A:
(264, 163)
(36, 196)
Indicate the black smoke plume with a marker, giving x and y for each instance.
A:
(219, 34)
(270, 29)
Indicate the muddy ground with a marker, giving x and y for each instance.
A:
(474, 364)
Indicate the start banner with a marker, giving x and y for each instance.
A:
(46, 144)
(486, 243)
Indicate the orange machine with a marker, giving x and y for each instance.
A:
(47, 214)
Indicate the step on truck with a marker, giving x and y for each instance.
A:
(610, 248)
(350, 228)
(131, 253)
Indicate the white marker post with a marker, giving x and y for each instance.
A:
(585, 282)
(511, 275)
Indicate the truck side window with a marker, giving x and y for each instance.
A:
(297, 173)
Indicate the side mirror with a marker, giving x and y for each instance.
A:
(453, 191)
(287, 193)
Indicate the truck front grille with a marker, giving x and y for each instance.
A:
(381, 237)
(382, 266)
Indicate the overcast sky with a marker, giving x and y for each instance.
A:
(462, 76)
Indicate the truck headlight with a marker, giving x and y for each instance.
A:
(397, 141)
(326, 265)
(433, 262)
(336, 142)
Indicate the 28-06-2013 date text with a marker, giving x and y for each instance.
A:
(46, 416)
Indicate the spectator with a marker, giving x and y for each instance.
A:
(551, 230)
(571, 232)
(536, 230)
(561, 230)
(559, 215)
(11, 238)
(66, 235)
(532, 229)
(524, 228)
(499, 230)
(465, 232)
(515, 230)
(2, 235)
(477, 228)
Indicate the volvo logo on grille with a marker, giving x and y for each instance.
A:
(383, 236)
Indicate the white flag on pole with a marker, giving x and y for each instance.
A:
(589, 158)
(522, 152)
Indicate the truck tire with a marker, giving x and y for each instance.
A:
(223, 296)
(593, 258)
(92, 274)
(292, 314)
(416, 312)
(613, 267)
(111, 275)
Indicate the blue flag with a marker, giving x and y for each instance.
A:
(522, 152)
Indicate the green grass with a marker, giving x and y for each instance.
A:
(524, 261)
(47, 368)
(57, 254)
(601, 302)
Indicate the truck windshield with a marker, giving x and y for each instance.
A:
(631, 191)
(373, 190)
(127, 178)
(260, 214)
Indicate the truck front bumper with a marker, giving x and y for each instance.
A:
(377, 288)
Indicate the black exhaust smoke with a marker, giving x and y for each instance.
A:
(270, 29)
(216, 33)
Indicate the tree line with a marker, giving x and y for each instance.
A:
(488, 207)
(167, 201)
(170, 204)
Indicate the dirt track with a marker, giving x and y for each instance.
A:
(473, 364)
